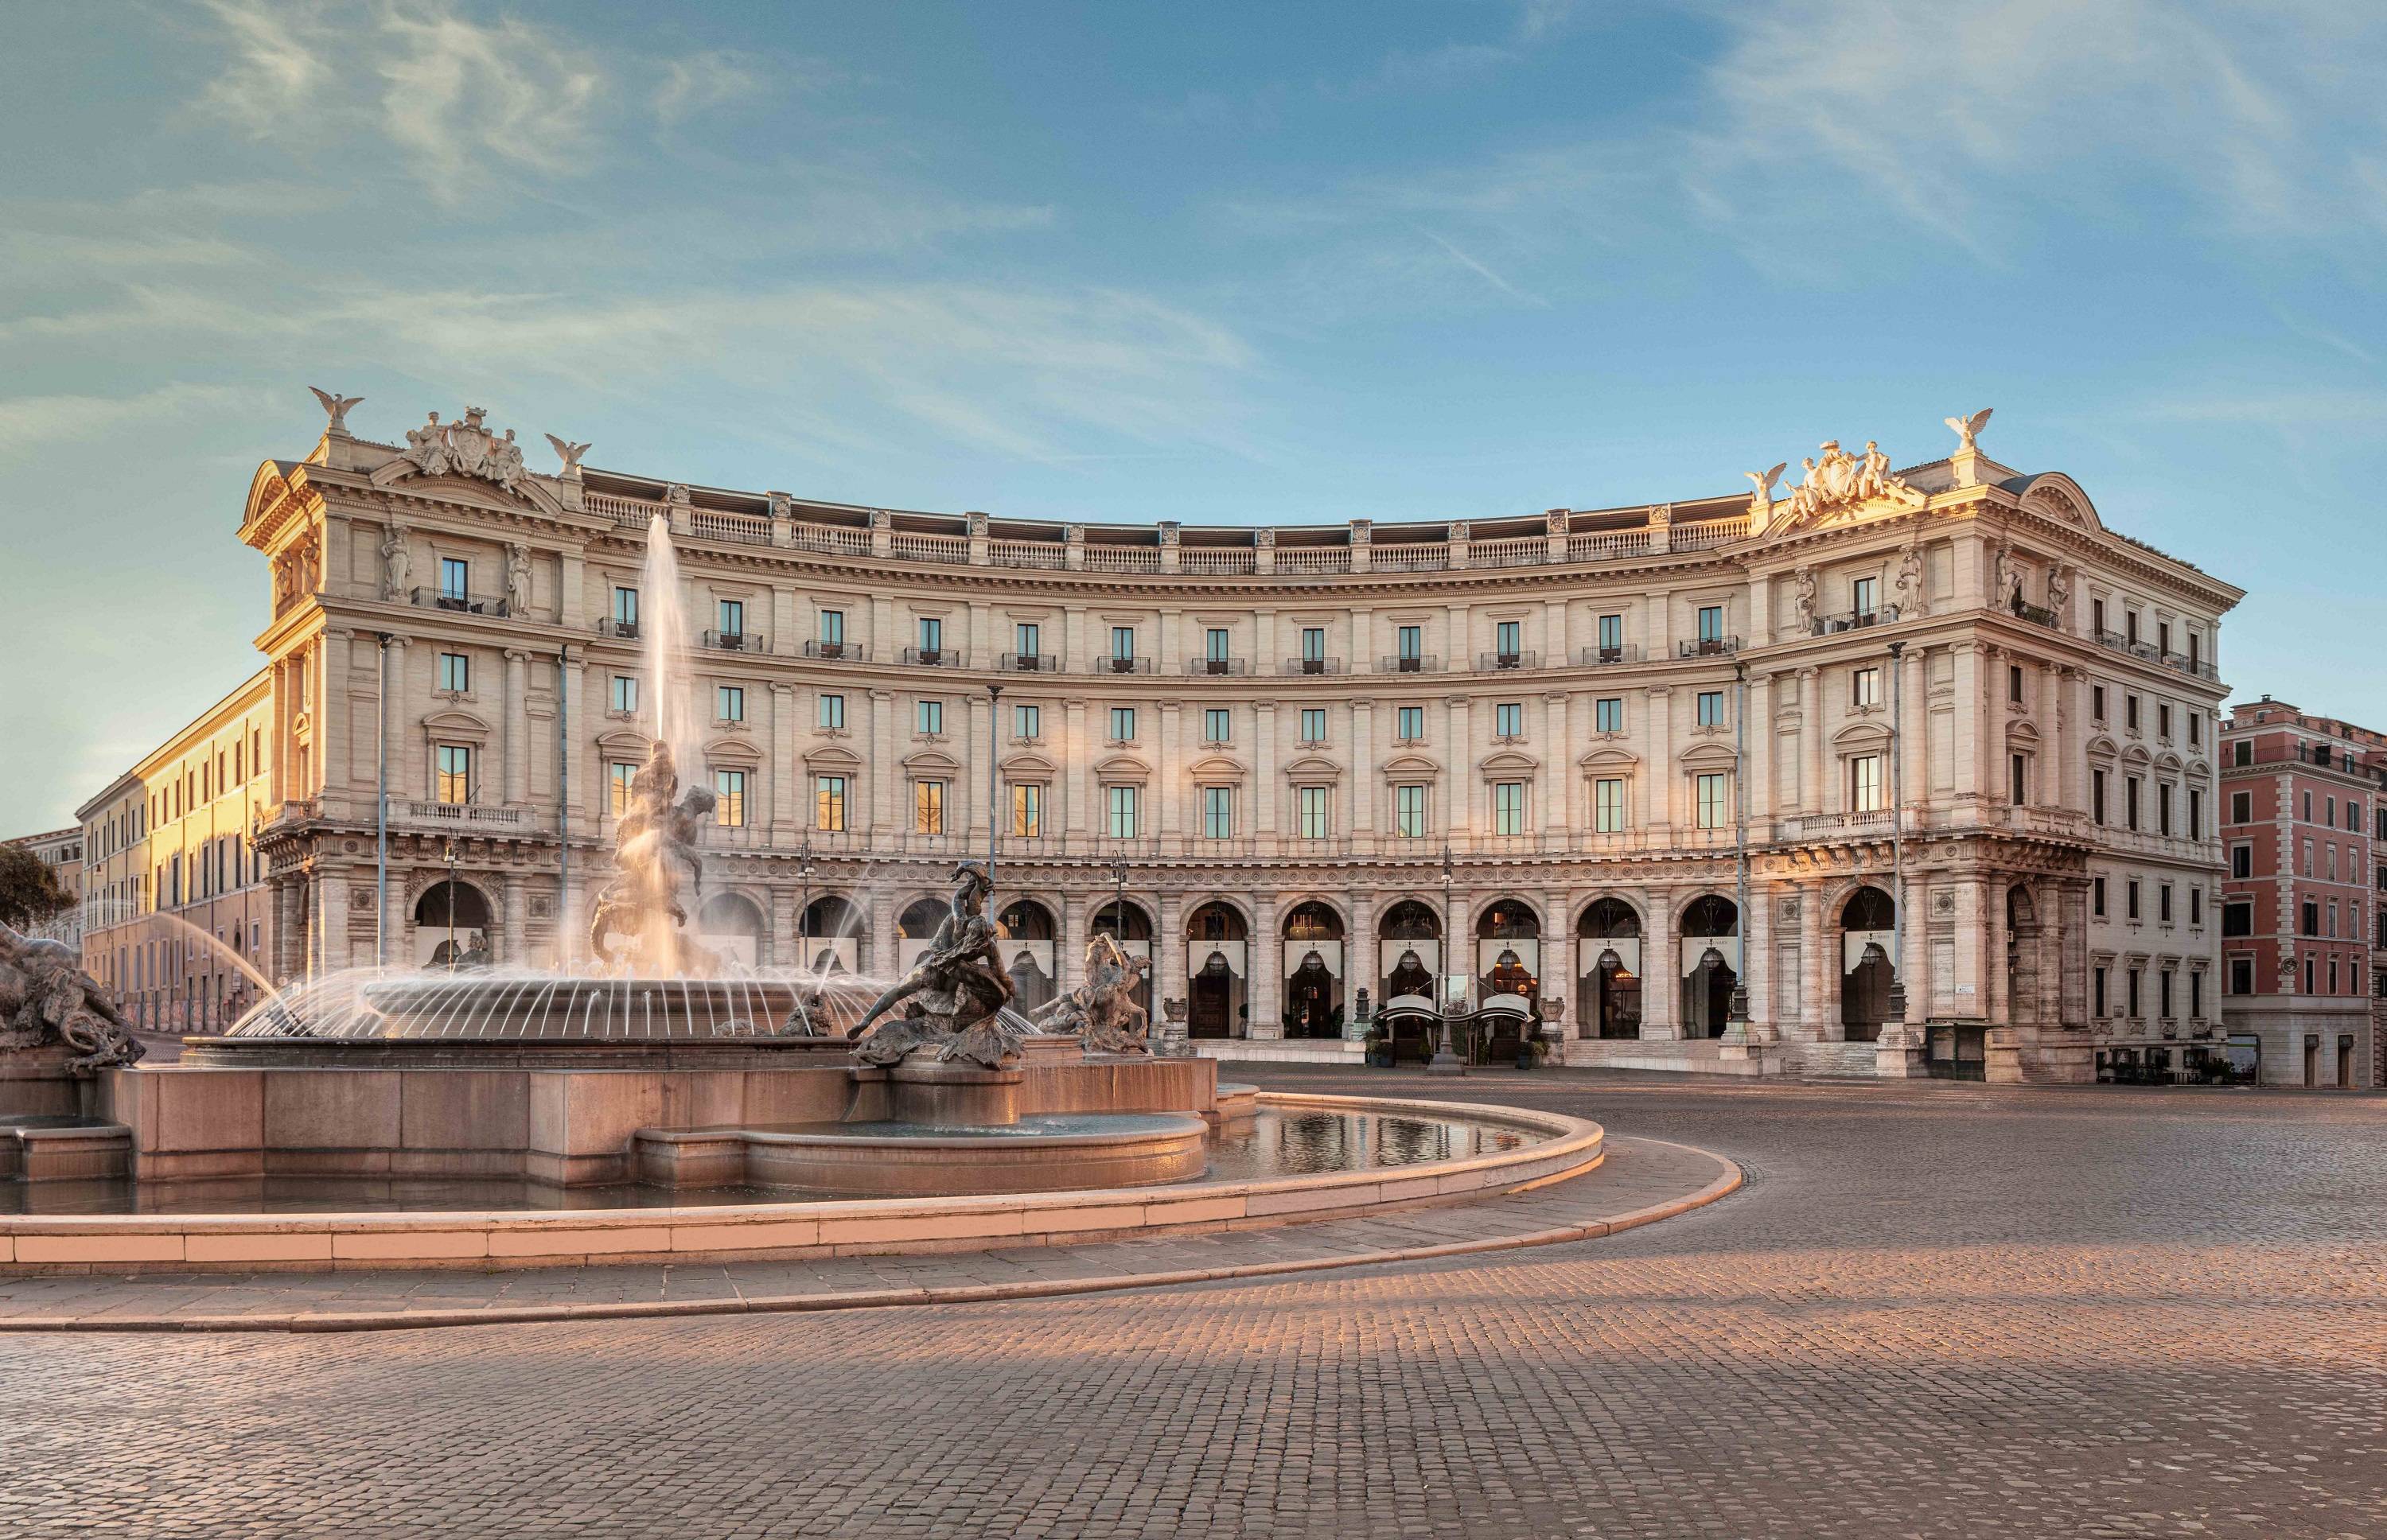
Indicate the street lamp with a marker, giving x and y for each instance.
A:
(448, 849)
(1736, 1006)
(1444, 1062)
(1119, 899)
(804, 916)
(993, 784)
(1897, 1005)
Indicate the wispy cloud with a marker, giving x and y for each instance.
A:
(275, 67)
(702, 82)
(458, 92)
(30, 421)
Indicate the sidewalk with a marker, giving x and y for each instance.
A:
(1640, 1182)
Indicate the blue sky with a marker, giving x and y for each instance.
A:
(1243, 263)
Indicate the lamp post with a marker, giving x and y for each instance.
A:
(1737, 1005)
(1444, 1062)
(1897, 1005)
(994, 785)
(804, 916)
(1118, 900)
(448, 849)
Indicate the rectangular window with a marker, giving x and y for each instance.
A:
(1509, 807)
(2097, 992)
(2196, 906)
(1509, 719)
(2130, 712)
(828, 803)
(1218, 725)
(1508, 639)
(832, 712)
(1607, 805)
(624, 695)
(2130, 900)
(1218, 813)
(455, 579)
(2310, 916)
(1713, 810)
(1120, 806)
(625, 610)
(1027, 638)
(730, 615)
(1408, 644)
(729, 798)
(1612, 636)
(1028, 811)
(2243, 752)
(1409, 724)
(932, 636)
(2130, 800)
(1608, 715)
(1408, 812)
(2014, 683)
(2163, 645)
(832, 630)
(2162, 809)
(1311, 804)
(2163, 994)
(1864, 688)
(930, 717)
(2017, 779)
(1313, 723)
(1217, 645)
(454, 766)
(455, 673)
(2133, 977)
(2097, 702)
(928, 807)
(2162, 719)
(2195, 984)
(2130, 633)
(2163, 903)
(2097, 614)
(1313, 644)
(2241, 860)
(2241, 975)
(1123, 643)
(2097, 796)
(1028, 722)
(1710, 624)
(2242, 807)
(2195, 737)
(1864, 595)
(1123, 724)
(2097, 897)
(2195, 813)
(1865, 784)
(2308, 818)
(1711, 708)
(729, 702)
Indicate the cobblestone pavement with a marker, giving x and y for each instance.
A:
(1936, 1311)
(1640, 1180)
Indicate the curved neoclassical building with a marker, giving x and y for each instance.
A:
(1582, 769)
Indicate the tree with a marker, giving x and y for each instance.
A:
(28, 890)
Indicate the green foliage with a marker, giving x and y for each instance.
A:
(28, 890)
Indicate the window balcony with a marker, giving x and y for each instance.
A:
(1313, 665)
(2196, 668)
(1219, 667)
(2036, 613)
(1855, 620)
(737, 641)
(934, 656)
(1594, 657)
(1029, 662)
(850, 652)
(1124, 665)
(463, 604)
(1508, 738)
(621, 630)
(1420, 663)
(1491, 663)
(1709, 646)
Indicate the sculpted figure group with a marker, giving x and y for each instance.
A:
(656, 842)
(954, 998)
(46, 997)
(1103, 1010)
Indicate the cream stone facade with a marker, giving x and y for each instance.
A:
(1266, 741)
(176, 909)
(61, 850)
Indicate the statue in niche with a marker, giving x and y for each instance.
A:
(1909, 581)
(396, 564)
(517, 580)
(955, 996)
(1103, 1011)
(1803, 598)
(46, 997)
(2059, 589)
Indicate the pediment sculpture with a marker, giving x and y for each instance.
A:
(465, 448)
(1834, 479)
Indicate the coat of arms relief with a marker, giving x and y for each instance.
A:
(464, 448)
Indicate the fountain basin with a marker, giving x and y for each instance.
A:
(1046, 1154)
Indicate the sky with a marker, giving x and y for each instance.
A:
(1231, 263)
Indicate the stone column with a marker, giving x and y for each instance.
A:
(513, 932)
(1266, 992)
(1169, 781)
(1813, 797)
(1915, 708)
(518, 727)
(1756, 962)
(1363, 766)
(884, 950)
(1658, 708)
(1661, 968)
(780, 940)
(1914, 954)
(289, 956)
(1360, 964)
(886, 774)
(1554, 633)
(1818, 966)
(2075, 768)
(1989, 712)
(1552, 780)
(1168, 980)
(2054, 754)
(331, 922)
(1557, 966)
(783, 765)
(1758, 733)
(1459, 798)
(1070, 951)
(1264, 787)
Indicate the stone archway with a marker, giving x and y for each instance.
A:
(1866, 967)
(1609, 935)
(452, 926)
(1030, 951)
(1711, 928)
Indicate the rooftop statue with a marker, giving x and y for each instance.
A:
(1968, 429)
(655, 842)
(46, 997)
(1103, 1010)
(954, 998)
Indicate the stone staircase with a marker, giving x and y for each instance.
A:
(1831, 1060)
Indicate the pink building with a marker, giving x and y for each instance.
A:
(2304, 910)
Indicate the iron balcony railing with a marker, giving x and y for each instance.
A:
(2037, 615)
(1708, 647)
(1414, 662)
(624, 630)
(1029, 662)
(849, 652)
(737, 641)
(1855, 620)
(1313, 665)
(1493, 661)
(463, 604)
(935, 657)
(1222, 667)
(1592, 657)
(1125, 665)
(2196, 668)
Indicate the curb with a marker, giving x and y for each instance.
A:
(1725, 1183)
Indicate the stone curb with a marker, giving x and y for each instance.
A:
(1728, 1181)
